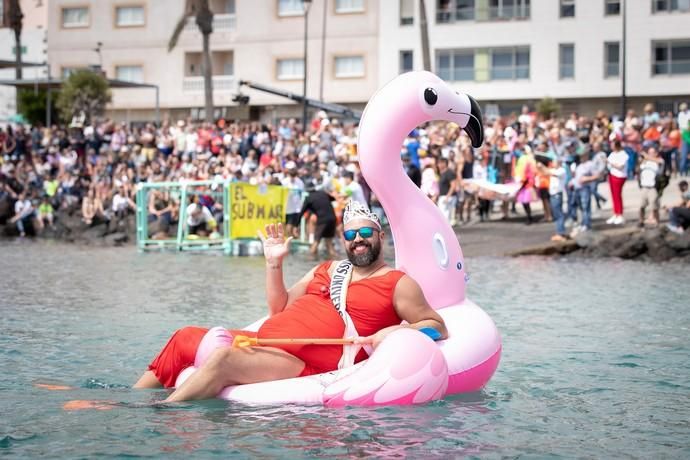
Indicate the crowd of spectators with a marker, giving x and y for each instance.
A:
(92, 170)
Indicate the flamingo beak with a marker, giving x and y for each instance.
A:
(474, 127)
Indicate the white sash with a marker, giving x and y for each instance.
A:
(339, 283)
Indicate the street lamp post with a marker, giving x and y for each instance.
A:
(622, 59)
(307, 4)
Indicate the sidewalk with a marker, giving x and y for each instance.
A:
(512, 237)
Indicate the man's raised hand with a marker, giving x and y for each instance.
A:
(276, 247)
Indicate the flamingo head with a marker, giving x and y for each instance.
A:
(439, 101)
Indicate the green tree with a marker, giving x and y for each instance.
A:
(548, 106)
(32, 105)
(204, 21)
(83, 93)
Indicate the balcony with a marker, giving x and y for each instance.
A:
(221, 23)
(220, 83)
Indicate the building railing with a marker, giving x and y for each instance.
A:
(221, 23)
(220, 83)
(504, 13)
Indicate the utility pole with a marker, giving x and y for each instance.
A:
(623, 53)
(426, 59)
(307, 4)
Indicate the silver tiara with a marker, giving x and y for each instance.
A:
(356, 210)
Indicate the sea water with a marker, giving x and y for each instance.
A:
(595, 362)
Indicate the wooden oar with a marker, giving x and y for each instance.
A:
(242, 341)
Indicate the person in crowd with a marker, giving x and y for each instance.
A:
(617, 165)
(599, 163)
(557, 184)
(379, 293)
(24, 213)
(320, 204)
(45, 216)
(412, 170)
(200, 221)
(525, 172)
(295, 197)
(684, 127)
(92, 208)
(430, 181)
(447, 184)
(352, 190)
(679, 215)
(583, 176)
(651, 168)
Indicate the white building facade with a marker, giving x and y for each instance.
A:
(33, 50)
(509, 52)
(259, 41)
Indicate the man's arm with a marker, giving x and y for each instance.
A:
(276, 247)
(411, 306)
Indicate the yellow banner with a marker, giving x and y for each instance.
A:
(254, 206)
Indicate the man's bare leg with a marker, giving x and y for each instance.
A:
(233, 366)
(329, 247)
(148, 380)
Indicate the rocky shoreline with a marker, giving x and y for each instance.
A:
(631, 243)
(507, 238)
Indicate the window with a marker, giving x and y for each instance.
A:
(406, 12)
(129, 16)
(454, 10)
(406, 61)
(75, 17)
(566, 61)
(612, 7)
(290, 69)
(290, 7)
(671, 58)
(509, 63)
(455, 65)
(464, 10)
(133, 73)
(67, 71)
(567, 8)
(670, 5)
(509, 9)
(349, 66)
(611, 59)
(349, 6)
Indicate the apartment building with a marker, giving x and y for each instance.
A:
(260, 41)
(510, 52)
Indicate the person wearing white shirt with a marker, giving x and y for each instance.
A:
(617, 164)
(557, 179)
(353, 190)
(652, 166)
(683, 121)
(294, 201)
(23, 212)
(200, 221)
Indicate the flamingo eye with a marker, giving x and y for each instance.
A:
(430, 96)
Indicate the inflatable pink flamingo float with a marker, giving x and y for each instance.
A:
(408, 367)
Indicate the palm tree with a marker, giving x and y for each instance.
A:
(15, 17)
(204, 21)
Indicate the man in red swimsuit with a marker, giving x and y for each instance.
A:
(379, 298)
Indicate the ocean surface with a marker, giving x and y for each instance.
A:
(596, 362)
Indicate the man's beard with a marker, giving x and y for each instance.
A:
(365, 258)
